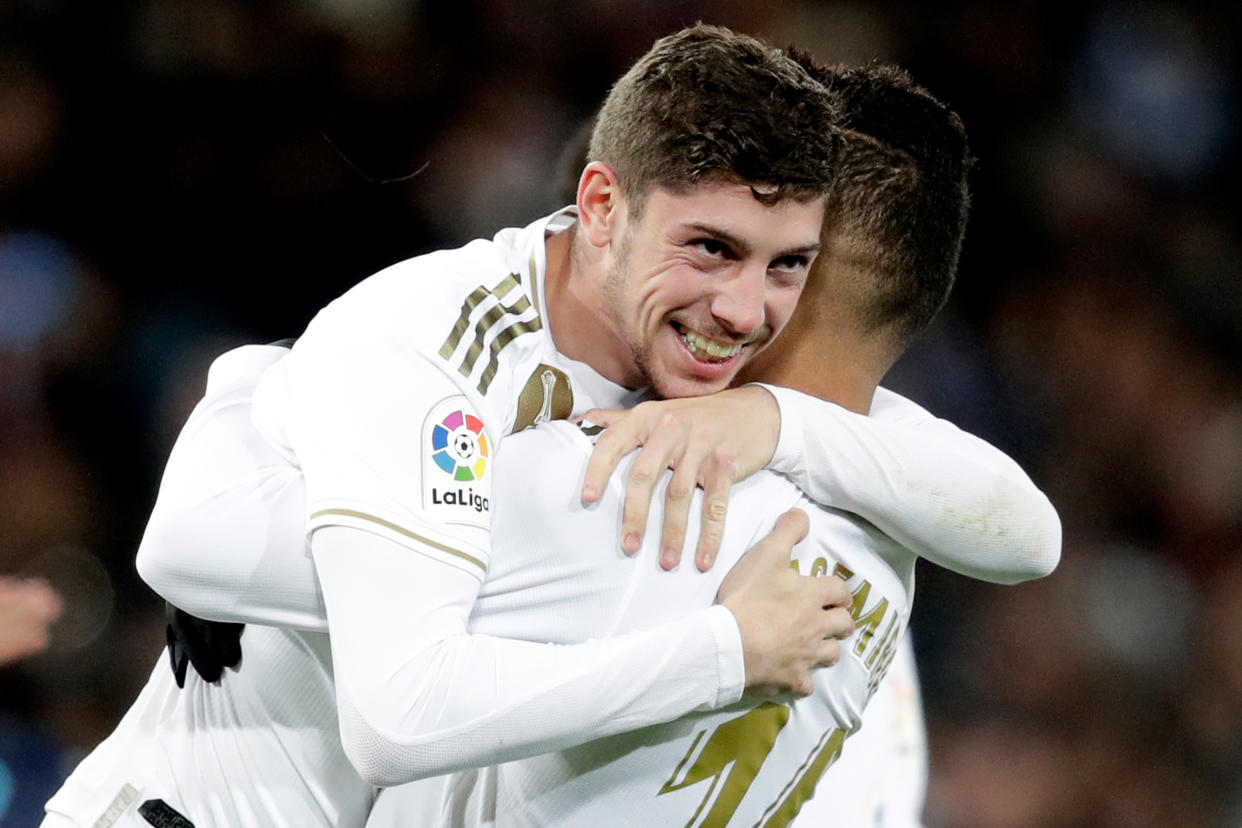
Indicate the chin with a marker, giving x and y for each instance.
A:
(671, 388)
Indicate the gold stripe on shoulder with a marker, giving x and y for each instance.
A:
(402, 531)
(498, 344)
(485, 323)
(476, 298)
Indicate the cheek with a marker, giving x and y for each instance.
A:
(781, 306)
(667, 293)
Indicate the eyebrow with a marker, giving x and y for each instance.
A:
(744, 249)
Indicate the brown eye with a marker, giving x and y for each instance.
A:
(790, 264)
(713, 248)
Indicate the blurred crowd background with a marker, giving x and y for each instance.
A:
(179, 176)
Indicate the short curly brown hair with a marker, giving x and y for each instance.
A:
(707, 104)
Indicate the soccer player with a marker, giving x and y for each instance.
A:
(407, 383)
(688, 331)
(753, 764)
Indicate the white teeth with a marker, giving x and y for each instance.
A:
(708, 349)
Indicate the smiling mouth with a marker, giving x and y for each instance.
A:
(705, 349)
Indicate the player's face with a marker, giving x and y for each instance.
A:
(705, 279)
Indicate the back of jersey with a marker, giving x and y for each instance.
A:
(557, 574)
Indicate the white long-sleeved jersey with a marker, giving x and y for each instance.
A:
(880, 780)
(204, 548)
(557, 576)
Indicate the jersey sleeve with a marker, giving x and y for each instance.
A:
(947, 495)
(226, 539)
(387, 438)
(419, 696)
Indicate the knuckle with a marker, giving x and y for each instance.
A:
(634, 519)
(724, 458)
(678, 492)
(837, 593)
(670, 420)
(714, 509)
(641, 473)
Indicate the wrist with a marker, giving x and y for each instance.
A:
(730, 655)
(783, 427)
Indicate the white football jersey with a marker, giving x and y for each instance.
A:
(393, 400)
(262, 748)
(254, 749)
(558, 575)
(881, 779)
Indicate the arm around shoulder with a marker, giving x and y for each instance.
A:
(226, 540)
(943, 493)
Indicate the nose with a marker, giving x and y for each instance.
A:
(739, 303)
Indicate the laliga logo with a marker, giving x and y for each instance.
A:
(460, 450)
(460, 446)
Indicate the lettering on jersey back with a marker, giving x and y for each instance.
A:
(877, 629)
(457, 478)
(546, 396)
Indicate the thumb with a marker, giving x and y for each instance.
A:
(790, 530)
(773, 550)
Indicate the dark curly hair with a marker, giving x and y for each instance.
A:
(707, 104)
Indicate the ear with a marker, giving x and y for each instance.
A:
(601, 204)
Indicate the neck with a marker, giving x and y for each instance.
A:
(577, 320)
(825, 361)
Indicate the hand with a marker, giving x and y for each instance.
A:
(28, 608)
(209, 646)
(711, 442)
(790, 623)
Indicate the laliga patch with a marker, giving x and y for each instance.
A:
(457, 475)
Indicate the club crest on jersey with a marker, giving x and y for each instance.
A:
(457, 485)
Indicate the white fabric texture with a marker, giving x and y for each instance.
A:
(259, 749)
(419, 696)
(880, 781)
(588, 589)
(954, 499)
(227, 539)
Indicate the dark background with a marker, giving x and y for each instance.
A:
(178, 176)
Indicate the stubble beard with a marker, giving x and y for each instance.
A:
(613, 294)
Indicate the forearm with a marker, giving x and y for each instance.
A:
(947, 495)
(419, 696)
(226, 540)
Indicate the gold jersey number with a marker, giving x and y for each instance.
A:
(730, 759)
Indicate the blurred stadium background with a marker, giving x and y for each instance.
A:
(179, 176)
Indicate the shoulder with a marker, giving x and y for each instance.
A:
(431, 290)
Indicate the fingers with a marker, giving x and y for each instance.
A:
(829, 653)
(611, 446)
(838, 624)
(677, 499)
(43, 599)
(835, 593)
(717, 480)
(648, 466)
(790, 529)
(27, 610)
